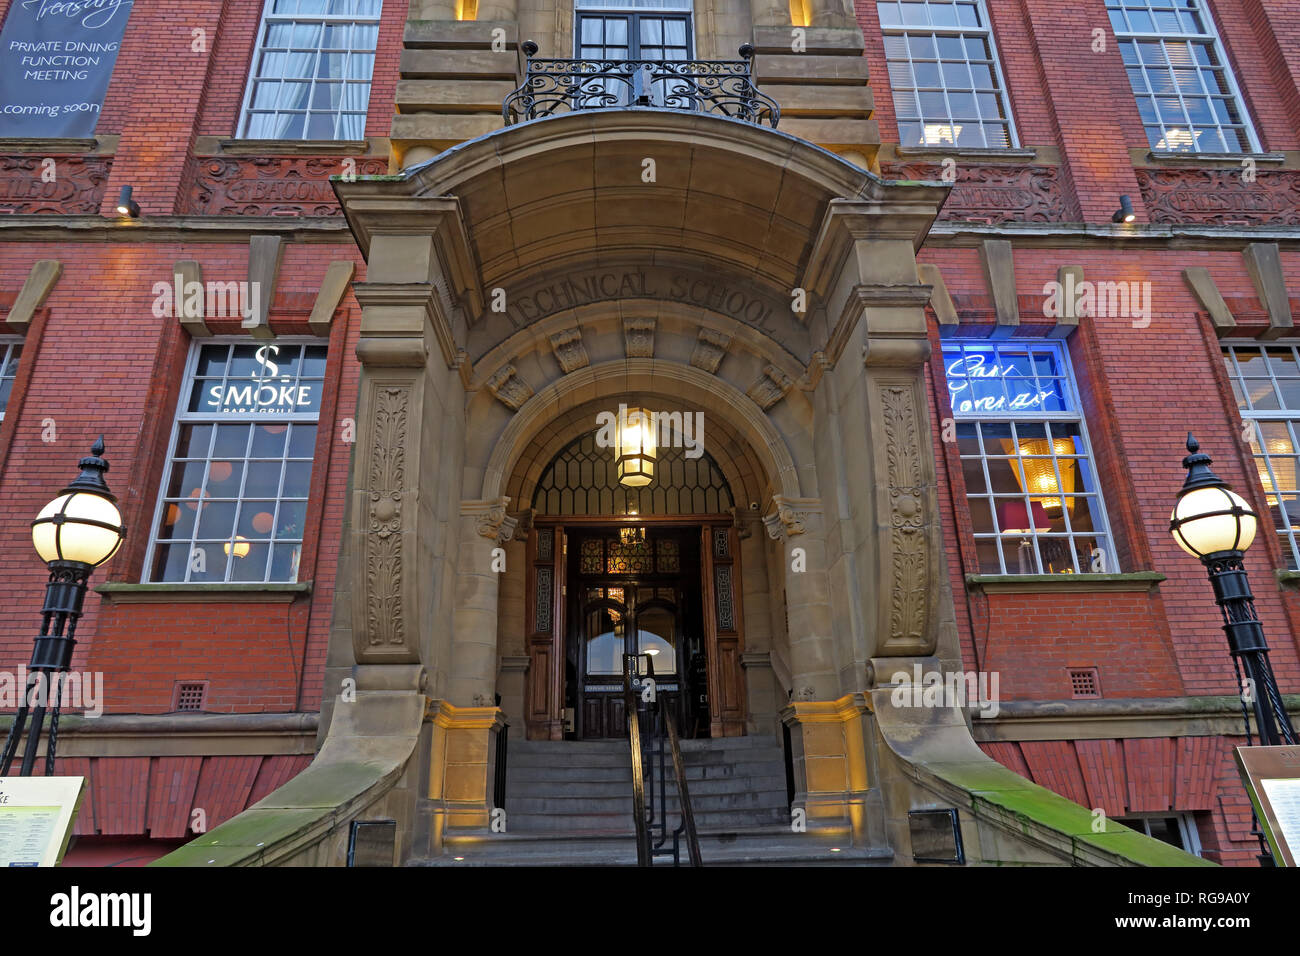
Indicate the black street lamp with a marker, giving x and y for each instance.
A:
(74, 534)
(1212, 523)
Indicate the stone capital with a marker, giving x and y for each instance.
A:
(791, 516)
(491, 520)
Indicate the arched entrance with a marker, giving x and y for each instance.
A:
(647, 570)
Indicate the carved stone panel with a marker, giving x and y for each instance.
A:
(709, 350)
(994, 193)
(385, 624)
(269, 185)
(639, 337)
(76, 190)
(909, 574)
(569, 350)
(507, 386)
(770, 388)
(1221, 197)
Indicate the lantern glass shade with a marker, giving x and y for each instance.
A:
(1211, 520)
(636, 449)
(79, 527)
(1036, 476)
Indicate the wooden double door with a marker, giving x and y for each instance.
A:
(665, 592)
(642, 619)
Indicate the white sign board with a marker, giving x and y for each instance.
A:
(36, 815)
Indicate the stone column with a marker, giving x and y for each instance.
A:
(797, 524)
(484, 527)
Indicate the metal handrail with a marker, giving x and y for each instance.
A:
(643, 855)
(683, 794)
(725, 87)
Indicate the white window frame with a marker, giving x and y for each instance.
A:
(8, 365)
(1186, 827)
(1229, 74)
(1289, 533)
(1087, 458)
(182, 417)
(269, 18)
(1004, 93)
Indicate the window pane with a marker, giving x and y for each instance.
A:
(232, 484)
(1045, 507)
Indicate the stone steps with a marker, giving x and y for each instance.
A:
(570, 804)
(771, 845)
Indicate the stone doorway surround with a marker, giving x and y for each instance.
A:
(534, 272)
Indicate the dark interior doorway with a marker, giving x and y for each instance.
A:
(634, 589)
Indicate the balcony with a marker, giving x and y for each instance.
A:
(721, 87)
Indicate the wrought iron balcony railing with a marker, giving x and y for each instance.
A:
(724, 87)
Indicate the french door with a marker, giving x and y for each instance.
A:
(606, 36)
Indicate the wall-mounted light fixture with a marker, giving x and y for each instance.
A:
(126, 206)
(1125, 211)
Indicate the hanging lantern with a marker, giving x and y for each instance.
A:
(636, 447)
(1036, 476)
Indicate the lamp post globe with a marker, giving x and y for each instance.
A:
(75, 533)
(1215, 525)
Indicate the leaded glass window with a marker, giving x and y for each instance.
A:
(582, 480)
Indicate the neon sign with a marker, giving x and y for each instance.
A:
(1013, 389)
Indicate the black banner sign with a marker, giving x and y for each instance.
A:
(56, 58)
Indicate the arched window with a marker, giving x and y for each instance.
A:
(581, 480)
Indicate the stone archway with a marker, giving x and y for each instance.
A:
(531, 272)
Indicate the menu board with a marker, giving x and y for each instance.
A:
(1272, 776)
(36, 815)
(56, 59)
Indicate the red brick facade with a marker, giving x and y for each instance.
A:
(96, 360)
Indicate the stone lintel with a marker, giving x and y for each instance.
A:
(332, 289)
(1068, 279)
(1202, 284)
(190, 271)
(264, 255)
(782, 40)
(1000, 275)
(940, 300)
(1264, 263)
(36, 288)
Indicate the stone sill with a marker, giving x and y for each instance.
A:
(156, 593)
(25, 144)
(957, 152)
(1067, 583)
(1288, 578)
(293, 147)
(1192, 159)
